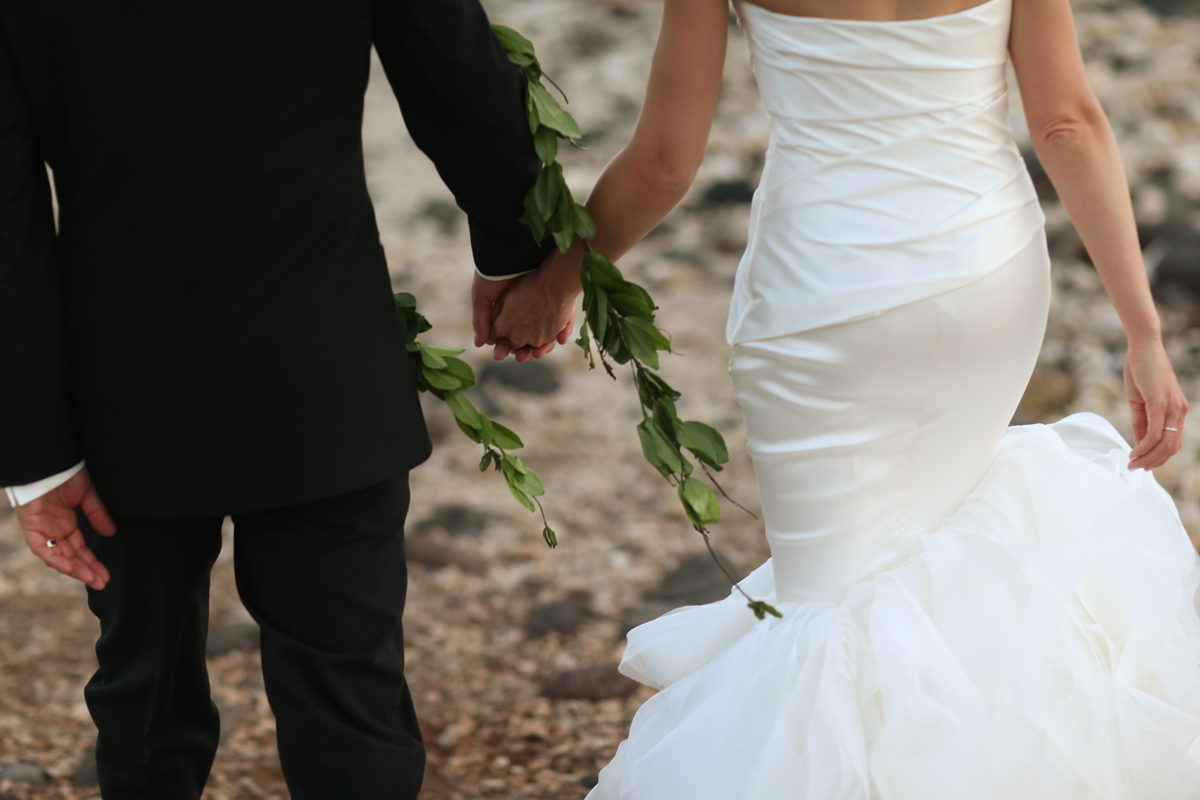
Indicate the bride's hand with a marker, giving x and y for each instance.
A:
(1158, 405)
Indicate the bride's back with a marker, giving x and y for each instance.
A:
(868, 10)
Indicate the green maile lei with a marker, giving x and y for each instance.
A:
(618, 327)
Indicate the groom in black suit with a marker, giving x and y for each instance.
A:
(210, 333)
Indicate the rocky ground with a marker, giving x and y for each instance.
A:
(511, 646)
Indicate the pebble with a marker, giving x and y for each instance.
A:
(694, 581)
(233, 636)
(562, 616)
(602, 682)
(533, 377)
(433, 551)
(29, 774)
(86, 774)
(455, 519)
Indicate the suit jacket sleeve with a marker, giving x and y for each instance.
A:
(36, 430)
(464, 106)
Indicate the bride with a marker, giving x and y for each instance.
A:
(970, 611)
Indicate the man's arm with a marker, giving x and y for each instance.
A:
(37, 436)
(463, 104)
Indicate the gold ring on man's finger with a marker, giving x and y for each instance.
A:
(1172, 430)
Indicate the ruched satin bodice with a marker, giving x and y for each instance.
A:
(891, 174)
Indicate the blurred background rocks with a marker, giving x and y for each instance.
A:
(511, 647)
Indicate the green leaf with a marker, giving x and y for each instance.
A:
(465, 412)
(461, 370)
(585, 344)
(599, 318)
(504, 438)
(486, 431)
(441, 380)
(704, 442)
(547, 190)
(432, 359)
(472, 433)
(641, 344)
(761, 609)
(650, 450)
(545, 142)
(564, 233)
(603, 272)
(552, 538)
(551, 114)
(405, 300)
(699, 503)
(533, 217)
(585, 226)
(665, 452)
(661, 387)
(521, 59)
(531, 113)
(512, 41)
(487, 460)
(443, 352)
(629, 305)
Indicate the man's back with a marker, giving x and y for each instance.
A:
(227, 326)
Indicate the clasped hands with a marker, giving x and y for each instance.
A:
(529, 315)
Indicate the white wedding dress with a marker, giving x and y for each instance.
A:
(970, 611)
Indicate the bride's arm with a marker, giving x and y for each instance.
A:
(648, 177)
(1077, 149)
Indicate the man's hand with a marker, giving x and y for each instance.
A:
(537, 311)
(486, 303)
(51, 518)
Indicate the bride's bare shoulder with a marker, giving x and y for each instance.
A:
(868, 10)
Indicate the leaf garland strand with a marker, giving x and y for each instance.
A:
(443, 374)
(618, 314)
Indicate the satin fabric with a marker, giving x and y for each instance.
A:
(969, 612)
(891, 174)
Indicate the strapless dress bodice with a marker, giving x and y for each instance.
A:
(891, 173)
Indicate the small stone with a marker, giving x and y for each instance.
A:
(643, 612)
(86, 774)
(446, 215)
(456, 520)
(29, 774)
(728, 193)
(602, 682)
(590, 780)
(695, 580)
(533, 377)
(564, 616)
(233, 636)
(455, 732)
(435, 552)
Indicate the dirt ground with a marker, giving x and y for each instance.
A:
(495, 619)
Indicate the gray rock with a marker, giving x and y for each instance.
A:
(1179, 259)
(602, 682)
(643, 612)
(230, 716)
(1169, 8)
(29, 774)
(728, 193)
(456, 520)
(694, 581)
(234, 636)
(433, 551)
(86, 773)
(446, 215)
(564, 616)
(534, 377)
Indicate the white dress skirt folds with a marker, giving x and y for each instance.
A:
(970, 611)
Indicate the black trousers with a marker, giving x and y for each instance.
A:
(326, 582)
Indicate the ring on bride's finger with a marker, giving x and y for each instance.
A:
(51, 543)
(1172, 430)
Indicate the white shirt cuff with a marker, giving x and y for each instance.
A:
(20, 495)
(503, 277)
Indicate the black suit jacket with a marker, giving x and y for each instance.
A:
(212, 326)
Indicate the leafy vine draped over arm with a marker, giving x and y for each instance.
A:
(618, 314)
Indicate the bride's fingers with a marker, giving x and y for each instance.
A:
(1155, 422)
(565, 335)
